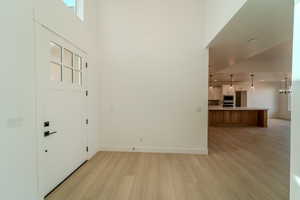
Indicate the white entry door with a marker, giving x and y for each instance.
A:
(62, 110)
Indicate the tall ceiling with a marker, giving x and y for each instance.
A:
(258, 39)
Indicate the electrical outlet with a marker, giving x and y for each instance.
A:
(141, 139)
(133, 148)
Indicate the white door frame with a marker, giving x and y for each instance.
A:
(295, 125)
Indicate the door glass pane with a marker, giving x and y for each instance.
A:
(68, 58)
(67, 75)
(55, 72)
(78, 63)
(77, 77)
(55, 52)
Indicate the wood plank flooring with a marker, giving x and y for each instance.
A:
(243, 164)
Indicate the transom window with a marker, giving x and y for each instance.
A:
(70, 3)
(65, 65)
(77, 6)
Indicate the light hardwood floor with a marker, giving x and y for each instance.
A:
(243, 164)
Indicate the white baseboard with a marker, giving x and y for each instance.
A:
(156, 150)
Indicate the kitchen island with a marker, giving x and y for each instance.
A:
(237, 116)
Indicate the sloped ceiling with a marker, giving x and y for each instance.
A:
(258, 39)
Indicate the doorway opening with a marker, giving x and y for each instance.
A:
(250, 81)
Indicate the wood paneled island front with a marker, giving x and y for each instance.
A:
(238, 116)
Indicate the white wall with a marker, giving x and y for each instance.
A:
(62, 20)
(218, 14)
(284, 112)
(154, 75)
(265, 94)
(18, 145)
(295, 125)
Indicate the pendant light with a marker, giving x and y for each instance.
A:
(231, 81)
(252, 81)
(286, 89)
(211, 81)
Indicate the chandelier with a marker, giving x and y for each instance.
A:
(287, 87)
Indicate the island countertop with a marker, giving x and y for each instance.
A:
(238, 116)
(235, 108)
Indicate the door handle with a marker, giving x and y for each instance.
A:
(48, 133)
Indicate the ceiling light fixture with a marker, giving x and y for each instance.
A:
(287, 87)
(252, 81)
(210, 81)
(231, 81)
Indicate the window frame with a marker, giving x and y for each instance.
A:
(78, 8)
(78, 70)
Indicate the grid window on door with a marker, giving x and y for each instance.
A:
(55, 62)
(65, 65)
(77, 72)
(67, 72)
